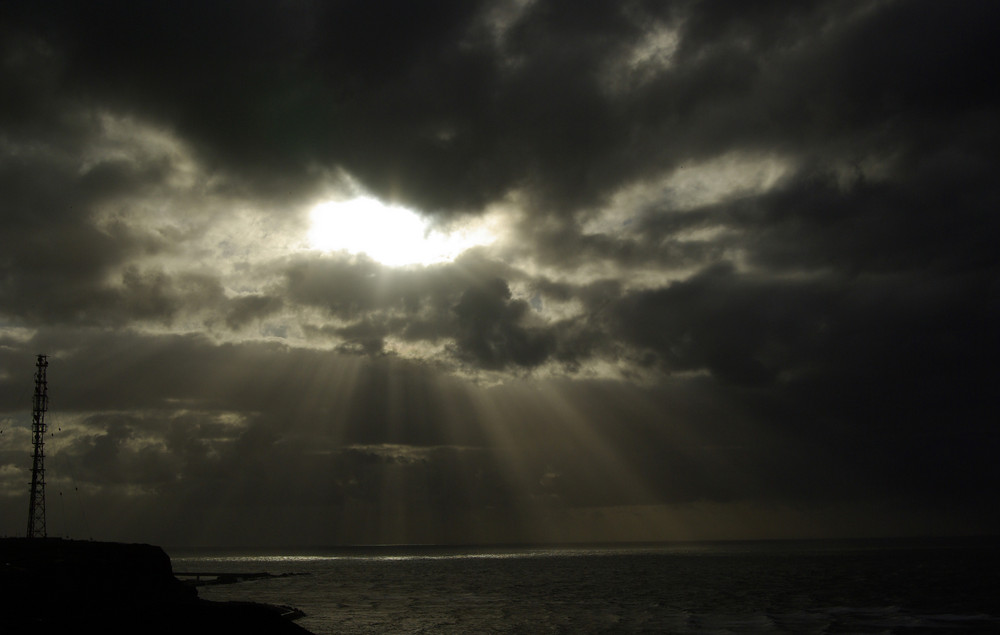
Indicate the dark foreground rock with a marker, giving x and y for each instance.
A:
(62, 586)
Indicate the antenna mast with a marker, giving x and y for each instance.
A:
(36, 510)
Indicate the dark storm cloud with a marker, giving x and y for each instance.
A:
(419, 102)
(263, 88)
(938, 215)
(467, 304)
(465, 301)
(738, 329)
(58, 263)
(47, 241)
(251, 307)
(425, 103)
(885, 374)
(490, 332)
(824, 336)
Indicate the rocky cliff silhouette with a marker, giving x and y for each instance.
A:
(51, 585)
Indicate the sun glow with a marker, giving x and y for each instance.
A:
(392, 235)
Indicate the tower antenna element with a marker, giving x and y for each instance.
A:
(36, 509)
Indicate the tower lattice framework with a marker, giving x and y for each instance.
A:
(36, 509)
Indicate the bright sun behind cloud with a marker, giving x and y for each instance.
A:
(392, 235)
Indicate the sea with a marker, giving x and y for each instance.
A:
(854, 586)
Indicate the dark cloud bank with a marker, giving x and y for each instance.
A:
(667, 347)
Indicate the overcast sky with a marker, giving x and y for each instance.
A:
(519, 270)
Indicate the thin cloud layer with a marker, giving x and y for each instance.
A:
(742, 268)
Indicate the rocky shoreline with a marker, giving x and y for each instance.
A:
(50, 585)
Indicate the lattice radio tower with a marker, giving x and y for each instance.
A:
(36, 510)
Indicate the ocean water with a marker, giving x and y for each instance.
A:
(913, 586)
